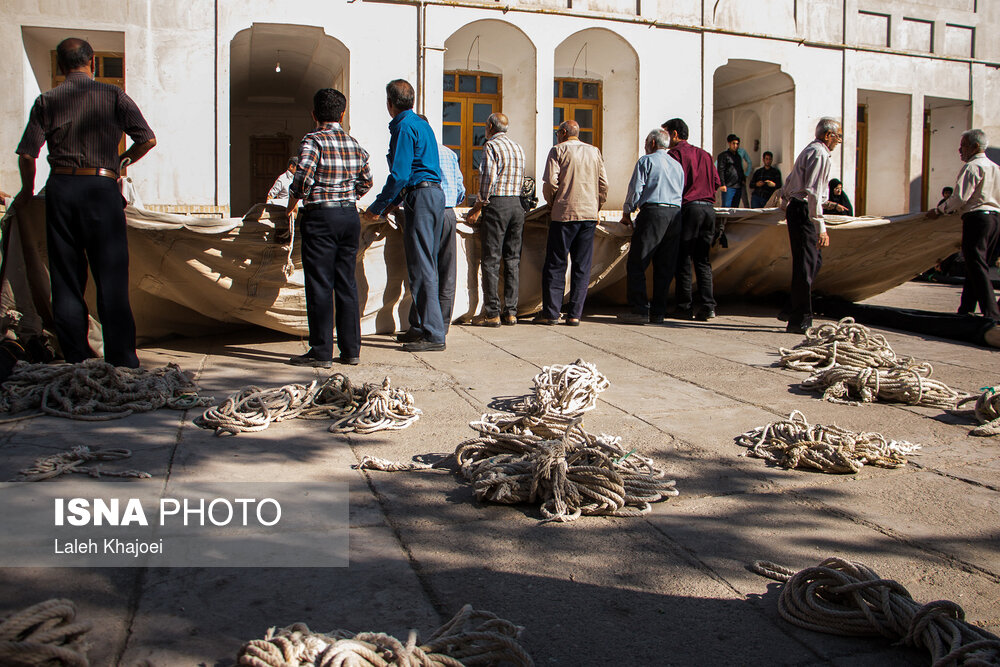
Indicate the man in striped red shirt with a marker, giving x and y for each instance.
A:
(500, 180)
(332, 174)
(82, 122)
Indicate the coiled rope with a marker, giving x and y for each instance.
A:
(94, 390)
(793, 443)
(73, 460)
(986, 411)
(365, 409)
(852, 365)
(470, 638)
(543, 455)
(44, 634)
(845, 598)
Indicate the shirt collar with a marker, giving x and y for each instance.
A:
(821, 145)
(332, 125)
(400, 117)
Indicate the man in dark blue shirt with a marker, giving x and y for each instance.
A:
(415, 176)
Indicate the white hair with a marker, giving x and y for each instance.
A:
(827, 124)
(659, 138)
(977, 138)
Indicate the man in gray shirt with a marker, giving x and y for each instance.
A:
(655, 191)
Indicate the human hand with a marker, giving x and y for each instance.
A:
(722, 189)
(369, 216)
(823, 241)
(769, 184)
(472, 216)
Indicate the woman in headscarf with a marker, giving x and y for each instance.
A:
(838, 202)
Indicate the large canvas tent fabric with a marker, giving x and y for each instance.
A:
(197, 276)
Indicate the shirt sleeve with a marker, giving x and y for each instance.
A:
(635, 187)
(965, 187)
(602, 181)
(550, 177)
(459, 181)
(132, 121)
(487, 173)
(363, 183)
(402, 149)
(777, 180)
(816, 171)
(305, 173)
(275, 190)
(34, 135)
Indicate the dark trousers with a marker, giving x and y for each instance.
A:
(85, 222)
(575, 240)
(759, 199)
(655, 239)
(806, 262)
(329, 255)
(502, 226)
(697, 231)
(446, 275)
(967, 328)
(422, 234)
(980, 238)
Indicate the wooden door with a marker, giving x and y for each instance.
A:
(861, 162)
(268, 160)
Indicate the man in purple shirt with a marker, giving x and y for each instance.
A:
(698, 224)
(82, 122)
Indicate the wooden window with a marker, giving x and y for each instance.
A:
(469, 99)
(580, 100)
(109, 67)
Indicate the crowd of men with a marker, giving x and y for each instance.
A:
(672, 193)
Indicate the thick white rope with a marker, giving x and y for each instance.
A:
(44, 634)
(94, 390)
(845, 598)
(793, 443)
(986, 411)
(73, 460)
(470, 638)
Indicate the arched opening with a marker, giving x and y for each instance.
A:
(275, 70)
(489, 66)
(755, 101)
(597, 78)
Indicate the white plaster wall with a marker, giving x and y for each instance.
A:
(888, 152)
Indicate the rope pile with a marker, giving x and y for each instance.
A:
(793, 443)
(986, 411)
(844, 598)
(73, 460)
(365, 409)
(470, 638)
(44, 634)
(852, 365)
(543, 455)
(94, 390)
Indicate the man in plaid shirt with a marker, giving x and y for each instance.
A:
(332, 175)
(500, 177)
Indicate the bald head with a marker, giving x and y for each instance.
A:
(73, 54)
(497, 122)
(569, 129)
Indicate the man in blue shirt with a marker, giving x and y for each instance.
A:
(415, 174)
(655, 191)
(453, 184)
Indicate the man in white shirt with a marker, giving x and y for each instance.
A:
(805, 191)
(278, 194)
(977, 198)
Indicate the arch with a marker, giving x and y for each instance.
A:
(504, 51)
(756, 101)
(602, 55)
(270, 110)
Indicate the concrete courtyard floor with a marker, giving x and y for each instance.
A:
(670, 588)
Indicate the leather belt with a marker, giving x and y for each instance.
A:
(329, 204)
(85, 171)
(655, 205)
(699, 203)
(420, 186)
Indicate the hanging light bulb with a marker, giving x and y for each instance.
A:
(277, 64)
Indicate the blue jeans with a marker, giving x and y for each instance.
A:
(731, 197)
(422, 237)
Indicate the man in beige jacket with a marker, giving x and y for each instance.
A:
(575, 186)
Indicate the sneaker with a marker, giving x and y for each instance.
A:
(633, 318)
(349, 361)
(409, 336)
(309, 359)
(508, 319)
(485, 321)
(683, 314)
(423, 346)
(541, 319)
(705, 315)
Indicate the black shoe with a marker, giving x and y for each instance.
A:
(309, 359)
(633, 318)
(784, 315)
(541, 319)
(798, 328)
(683, 314)
(656, 319)
(409, 336)
(705, 315)
(349, 361)
(422, 346)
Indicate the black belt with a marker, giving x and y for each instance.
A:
(419, 186)
(655, 205)
(699, 203)
(329, 204)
